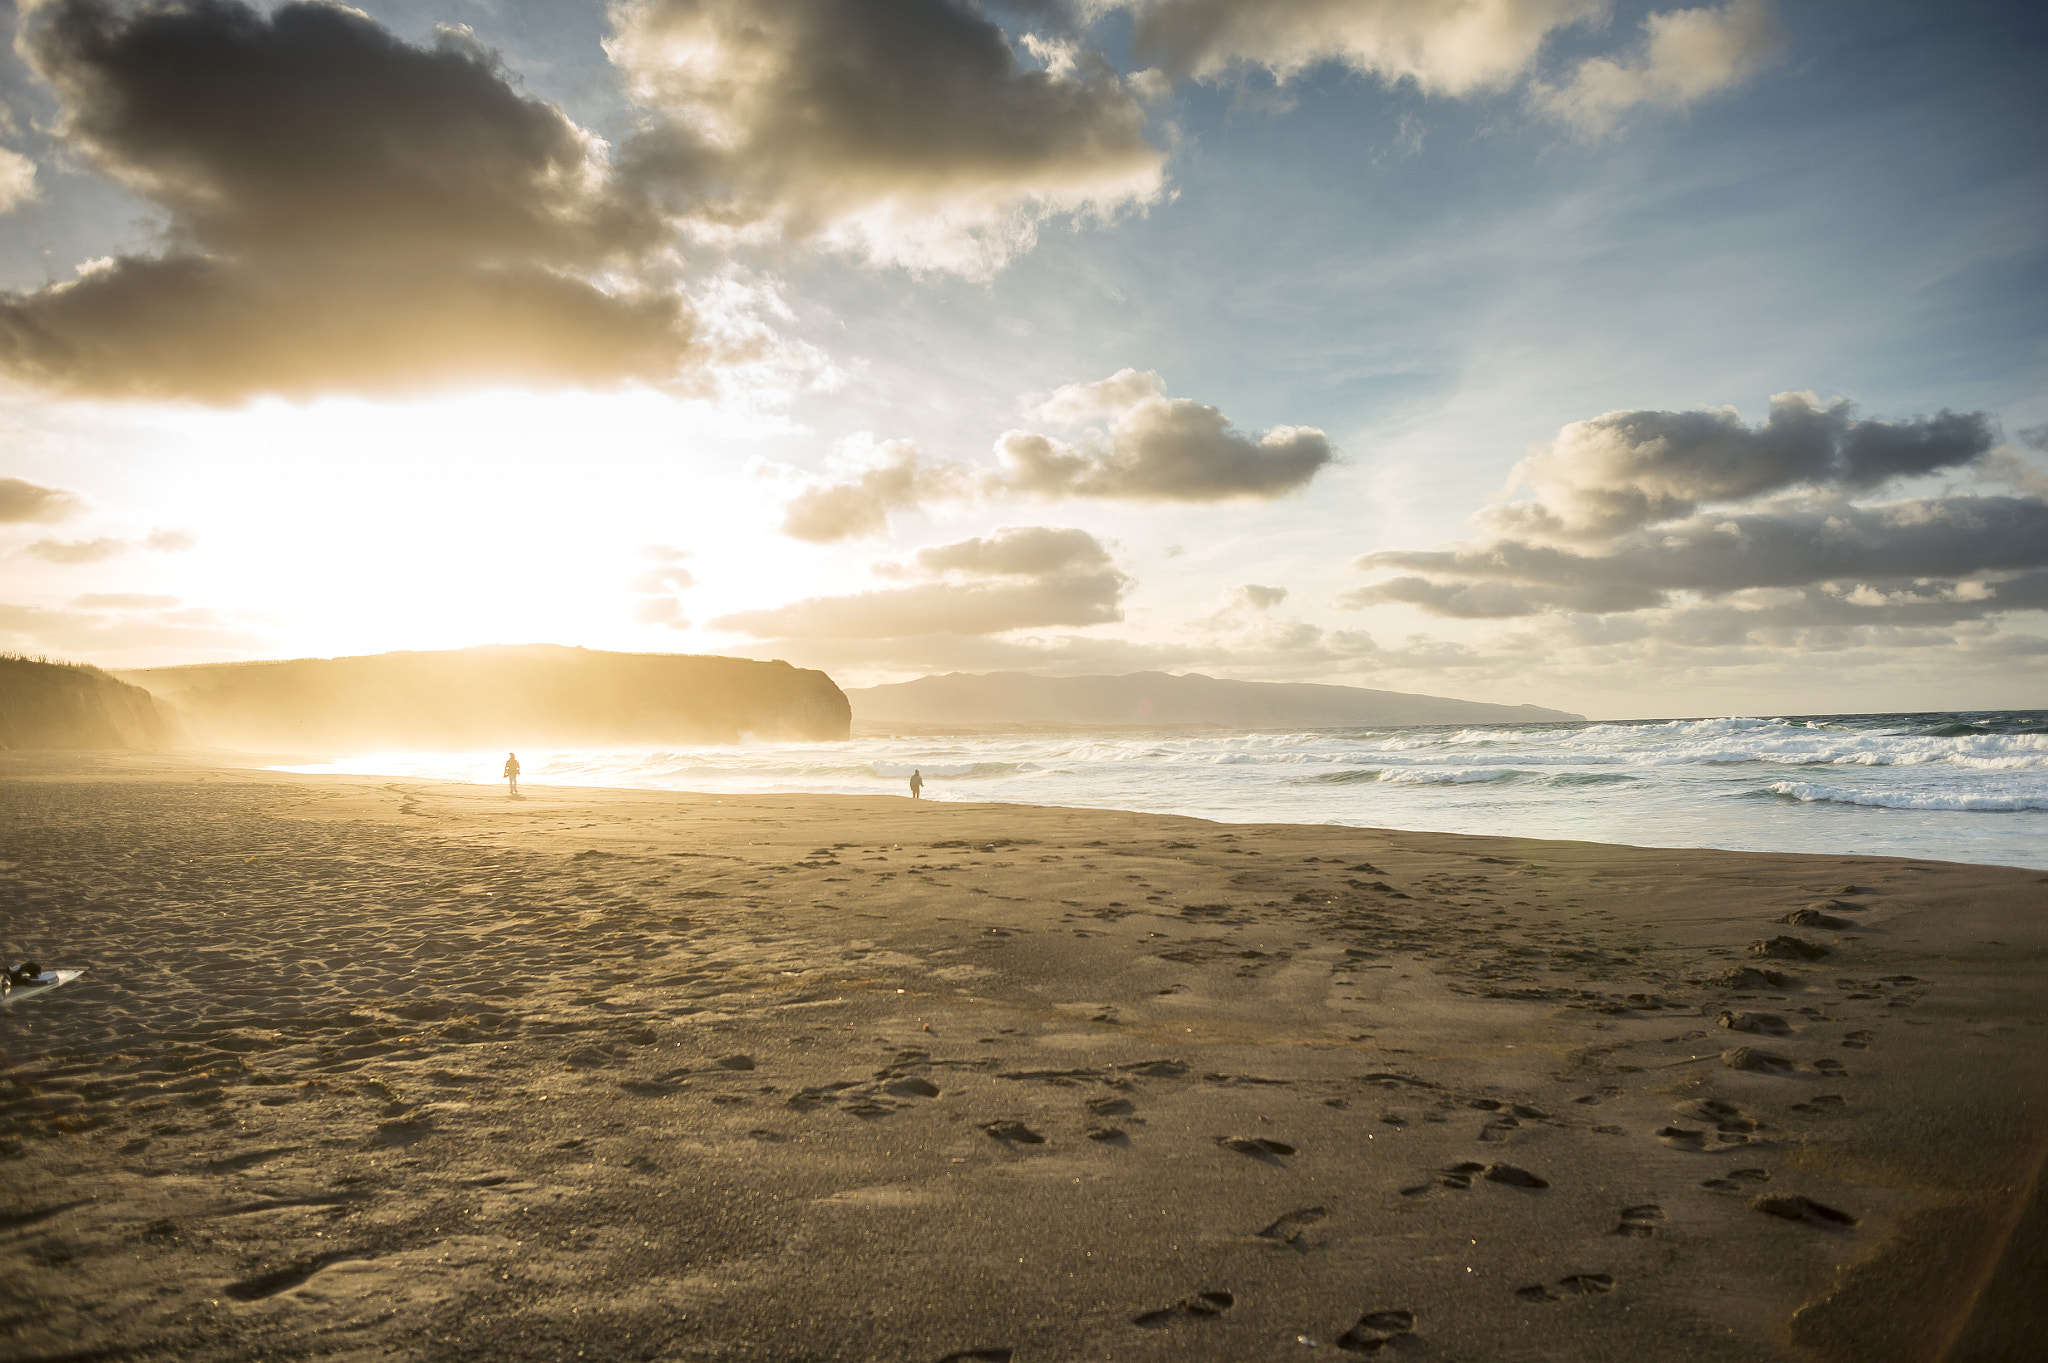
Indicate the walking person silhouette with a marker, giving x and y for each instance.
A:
(511, 774)
(916, 784)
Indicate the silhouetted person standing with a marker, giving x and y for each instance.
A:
(512, 773)
(916, 785)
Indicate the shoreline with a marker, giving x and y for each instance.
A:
(381, 1067)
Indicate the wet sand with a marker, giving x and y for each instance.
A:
(366, 1068)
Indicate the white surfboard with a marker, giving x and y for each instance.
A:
(39, 984)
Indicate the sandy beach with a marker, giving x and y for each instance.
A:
(365, 1068)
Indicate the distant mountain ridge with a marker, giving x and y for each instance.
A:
(962, 699)
(498, 696)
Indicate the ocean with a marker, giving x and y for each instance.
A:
(1956, 786)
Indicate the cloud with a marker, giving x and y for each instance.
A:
(345, 211)
(107, 547)
(1017, 577)
(659, 588)
(1156, 448)
(136, 625)
(1685, 56)
(17, 180)
(1788, 559)
(1153, 449)
(1447, 47)
(79, 551)
(1623, 470)
(22, 502)
(123, 601)
(1937, 542)
(873, 479)
(905, 134)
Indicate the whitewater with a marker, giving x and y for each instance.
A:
(1956, 786)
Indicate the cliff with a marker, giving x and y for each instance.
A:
(64, 705)
(533, 695)
(961, 699)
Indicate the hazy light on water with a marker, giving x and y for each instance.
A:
(1929, 786)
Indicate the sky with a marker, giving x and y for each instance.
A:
(1628, 359)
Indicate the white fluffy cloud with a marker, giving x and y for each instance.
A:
(1623, 470)
(17, 180)
(1140, 445)
(1155, 448)
(1685, 55)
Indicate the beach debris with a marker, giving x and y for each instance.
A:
(1800, 1208)
(1769, 1023)
(1013, 1133)
(1814, 918)
(1790, 948)
(1200, 1306)
(1376, 1329)
(1750, 1058)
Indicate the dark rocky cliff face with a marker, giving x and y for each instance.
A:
(498, 697)
(62, 705)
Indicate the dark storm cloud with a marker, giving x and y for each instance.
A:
(22, 502)
(344, 211)
(1018, 577)
(1607, 476)
(908, 132)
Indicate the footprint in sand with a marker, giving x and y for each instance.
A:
(1573, 1285)
(1201, 1306)
(1377, 1329)
(978, 1356)
(1640, 1221)
(1799, 1208)
(1735, 1180)
(1013, 1133)
(1814, 918)
(1731, 1123)
(1258, 1147)
(1762, 1062)
(1858, 1041)
(1288, 1228)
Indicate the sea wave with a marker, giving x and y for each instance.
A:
(1965, 801)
